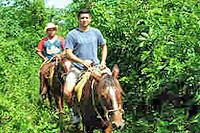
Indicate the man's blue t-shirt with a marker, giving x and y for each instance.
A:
(84, 44)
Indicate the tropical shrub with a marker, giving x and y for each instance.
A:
(155, 43)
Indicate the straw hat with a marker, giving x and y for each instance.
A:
(51, 25)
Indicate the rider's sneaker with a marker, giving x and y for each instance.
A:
(43, 97)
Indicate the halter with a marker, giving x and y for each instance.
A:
(115, 110)
(121, 111)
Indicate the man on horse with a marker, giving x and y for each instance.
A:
(49, 47)
(81, 48)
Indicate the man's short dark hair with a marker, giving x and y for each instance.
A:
(85, 10)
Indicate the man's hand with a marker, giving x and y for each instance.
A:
(87, 63)
(58, 56)
(103, 65)
(45, 59)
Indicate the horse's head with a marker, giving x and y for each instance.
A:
(62, 66)
(110, 96)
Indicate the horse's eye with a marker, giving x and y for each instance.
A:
(109, 114)
(103, 98)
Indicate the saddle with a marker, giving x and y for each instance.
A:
(47, 68)
(91, 74)
(47, 73)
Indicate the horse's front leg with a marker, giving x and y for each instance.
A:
(58, 101)
(49, 98)
(43, 89)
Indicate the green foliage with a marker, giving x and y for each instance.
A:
(155, 43)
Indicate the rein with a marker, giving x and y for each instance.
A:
(95, 108)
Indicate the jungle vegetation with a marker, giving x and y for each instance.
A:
(156, 44)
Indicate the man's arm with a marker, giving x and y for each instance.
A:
(39, 50)
(104, 55)
(42, 56)
(73, 57)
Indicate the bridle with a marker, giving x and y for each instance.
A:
(119, 109)
(108, 119)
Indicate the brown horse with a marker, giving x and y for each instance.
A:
(101, 103)
(52, 80)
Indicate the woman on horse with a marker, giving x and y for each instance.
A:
(49, 47)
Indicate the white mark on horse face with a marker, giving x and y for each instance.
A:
(113, 98)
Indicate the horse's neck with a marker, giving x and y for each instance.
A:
(89, 88)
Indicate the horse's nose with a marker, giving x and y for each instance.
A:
(117, 125)
(114, 125)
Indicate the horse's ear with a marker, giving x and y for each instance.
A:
(115, 71)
